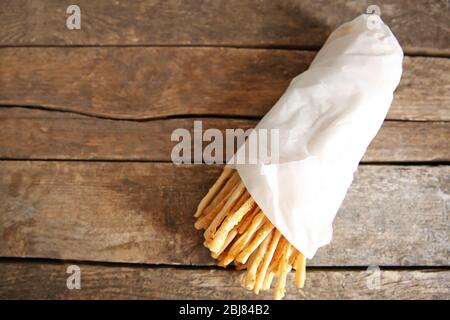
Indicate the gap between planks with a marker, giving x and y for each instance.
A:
(315, 49)
(56, 261)
(171, 117)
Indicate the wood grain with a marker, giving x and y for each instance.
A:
(143, 83)
(35, 280)
(421, 26)
(36, 134)
(166, 64)
(142, 212)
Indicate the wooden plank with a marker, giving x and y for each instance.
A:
(422, 141)
(143, 83)
(37, 134)
(25, 280)
(293, 23)
(142, 212)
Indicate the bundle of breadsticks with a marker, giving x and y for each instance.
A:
(236, 230)
(269, 214)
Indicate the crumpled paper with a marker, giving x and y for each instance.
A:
(326, 119)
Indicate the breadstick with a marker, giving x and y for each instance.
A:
(277, 255)
(205, 220)
(222, 213)
(240, 266)
(293, 258)
(232, 220)
(247, 220)
(283, 270)
(244, 197)
(250, 277)
(208, 218)
(259, 238)
(226, 173)
(265, 264)
(243, 266)
(244, 239)
(237, 230)
(226, 190)
(231, 235)
(300, 273)
(268, 280)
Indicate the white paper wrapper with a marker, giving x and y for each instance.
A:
(326, 119)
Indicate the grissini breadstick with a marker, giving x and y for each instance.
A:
(236, 230)
(277, 255)
(247, 220)
(300, 272)
(228, 224)
(266, 261)
(257, 240)
(250, 277)
(205, 219)
(229, 185)
(213, 191)
(230, 237)
(268, 280)
(283, 270)
(244, 238)
(223, 211)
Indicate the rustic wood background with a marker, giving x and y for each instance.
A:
(85, 124)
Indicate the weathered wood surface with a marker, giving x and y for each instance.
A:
(143, 83)
(142, 212)
(36, 280)
(36, 134)
(421, 26)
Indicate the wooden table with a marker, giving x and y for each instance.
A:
(86, 117)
